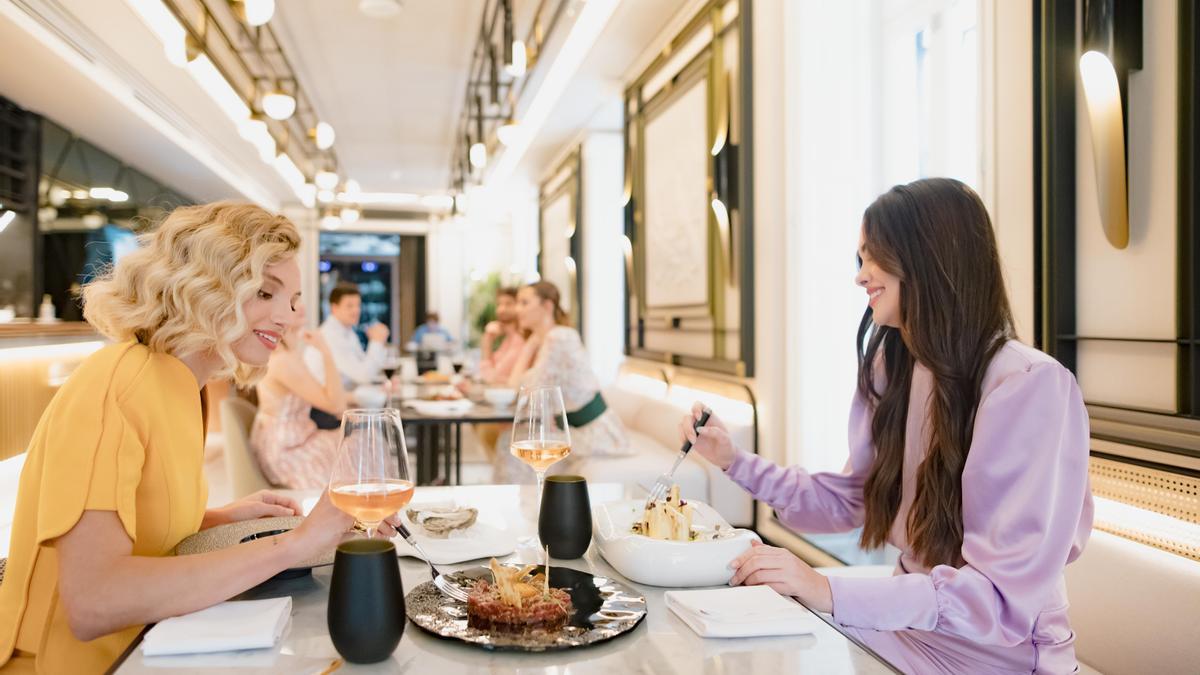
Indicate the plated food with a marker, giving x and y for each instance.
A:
(434, 377)
(517, 601)
(601, 609)
(444, 394)
(696, 550)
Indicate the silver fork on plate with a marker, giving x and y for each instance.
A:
(439, 580)
(663, 484)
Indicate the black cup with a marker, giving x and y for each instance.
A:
(565, 520)
(366, 600)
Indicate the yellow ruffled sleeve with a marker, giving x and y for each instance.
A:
(92, 454)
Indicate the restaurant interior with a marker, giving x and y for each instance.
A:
(533, 239)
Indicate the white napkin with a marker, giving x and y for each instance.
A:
(229, 626)
(742, 611)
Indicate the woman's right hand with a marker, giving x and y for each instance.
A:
(711, 441)
(322, 529)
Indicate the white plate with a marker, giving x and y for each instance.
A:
(440, 407)
(481, 540)
(674, 564)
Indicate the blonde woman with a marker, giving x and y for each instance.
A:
(553, 354)
(291, 450)
(114, 477)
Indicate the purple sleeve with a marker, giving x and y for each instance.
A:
(1027, 512)
(814, 502)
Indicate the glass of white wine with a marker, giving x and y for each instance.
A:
(370, 479)
(540, 436)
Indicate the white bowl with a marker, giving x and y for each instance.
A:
(672, 564)
(435, 408)
(500, 398)
(370, 396)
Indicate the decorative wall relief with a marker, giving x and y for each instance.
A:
(560, 223)
(691, 292)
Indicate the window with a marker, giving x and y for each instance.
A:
(886, 93)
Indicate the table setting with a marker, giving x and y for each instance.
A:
(601, 575)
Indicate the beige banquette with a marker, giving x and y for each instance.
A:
(651, 404)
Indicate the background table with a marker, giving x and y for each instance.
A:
(440, 436)
(662, 644)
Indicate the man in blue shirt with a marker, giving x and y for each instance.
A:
(431, 336)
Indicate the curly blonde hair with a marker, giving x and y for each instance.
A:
(182, 291)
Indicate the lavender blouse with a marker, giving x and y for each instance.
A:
(1027, 512)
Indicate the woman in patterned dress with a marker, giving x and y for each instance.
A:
(554, 355)
(292, 451)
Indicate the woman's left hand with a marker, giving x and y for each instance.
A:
(780, 569)
(261, 504)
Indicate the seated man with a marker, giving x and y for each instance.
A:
(355, 365)
(431, 335)
(497, 360)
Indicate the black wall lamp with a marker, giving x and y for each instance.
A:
(1112, 47)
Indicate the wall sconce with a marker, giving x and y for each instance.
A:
(1112, 46)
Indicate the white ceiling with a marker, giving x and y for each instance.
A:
(392, 88)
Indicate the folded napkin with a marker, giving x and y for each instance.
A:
(742, 611)
(229, 626)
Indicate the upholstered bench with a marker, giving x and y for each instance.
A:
(1134, 608)
(650, 410)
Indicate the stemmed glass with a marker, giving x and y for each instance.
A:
(540, 436)
(370, 478)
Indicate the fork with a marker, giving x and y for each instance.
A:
(663, 484)
(439, 580)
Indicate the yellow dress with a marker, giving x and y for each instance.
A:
(124, 434)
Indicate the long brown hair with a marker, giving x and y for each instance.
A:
(546, 291)
(935, 235)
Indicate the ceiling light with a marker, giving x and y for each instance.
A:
(93, 220)
(350, 216)
(506, 131)
(324, 135)
(254, 129)
(100, 192)
(379, 9)
(331, 222)
(352, 188)
(278, 105)
(80, 194)
(325, 196)
(258, 12)
(118, 196)
(326, 180)
(58, 196)
(478, 155)
(520, 60)
(593, 17)
(6, 218)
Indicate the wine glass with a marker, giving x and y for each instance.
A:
(540, 436)
(370, 479)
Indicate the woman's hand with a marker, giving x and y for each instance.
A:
(326, 526)
(780, 569)
(261, 504)
(711, 441)
(322, 529)
(493, 330)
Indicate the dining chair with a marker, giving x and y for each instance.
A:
(245, 476)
